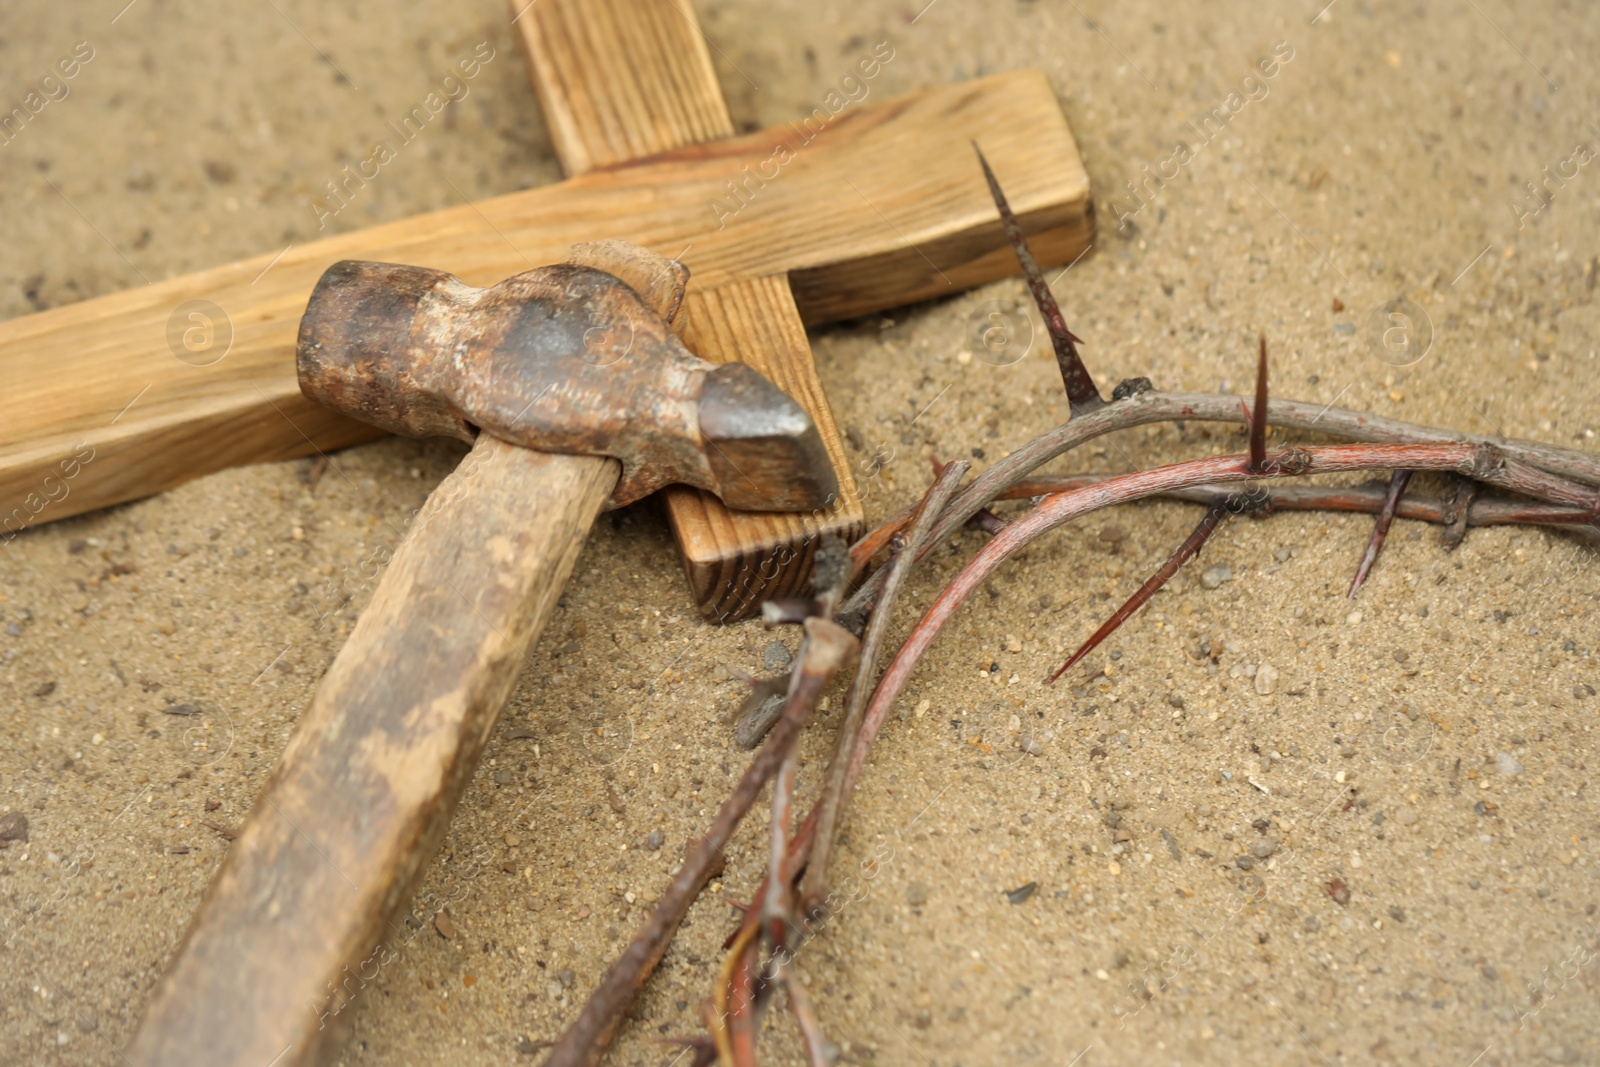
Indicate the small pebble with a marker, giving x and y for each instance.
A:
(1406, 817)
(1176, 700)
(1264, 848)
(1266, 679)
(1339, 892)
(1021, 894)
(1111, 534)
(1397, 914)
(1214, 576)
(916, 894)
(1282, 555)
(443, 924)
(1012, 644)
(654, 840)
(566, 976)
(1245, 862)
(13, 826)
(1507, 764)
(775, 657)
(513, 840)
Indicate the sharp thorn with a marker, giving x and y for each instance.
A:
(1258, 419)
(1188, 550)
(1380, 530)
(1456, 511)
(1082, 394)
(987, 521)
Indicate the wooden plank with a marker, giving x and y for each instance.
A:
(602, 112)
(72, 372)
(667, 97)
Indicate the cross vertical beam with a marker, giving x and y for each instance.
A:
(623, 79)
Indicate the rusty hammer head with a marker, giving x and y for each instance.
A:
(565, 358)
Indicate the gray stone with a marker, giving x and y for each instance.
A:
(1507, 764)
(13, 826)
(1214, 576)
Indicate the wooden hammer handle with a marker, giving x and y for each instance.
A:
(300, 919)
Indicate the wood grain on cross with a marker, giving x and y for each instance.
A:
(880, 206)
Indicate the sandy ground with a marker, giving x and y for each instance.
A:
(1424, 752)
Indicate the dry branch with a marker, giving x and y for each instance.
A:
(826, 650)
(933, 503)
(1544, 472)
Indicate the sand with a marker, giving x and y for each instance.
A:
(1389, 856)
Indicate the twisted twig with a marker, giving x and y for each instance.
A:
(933, 503)
(1527, 467)
(1055, 510)
(827, 649)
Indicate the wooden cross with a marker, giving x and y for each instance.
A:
(834, 216)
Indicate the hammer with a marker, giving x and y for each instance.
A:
(576, 395)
